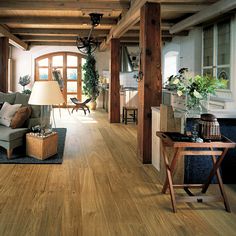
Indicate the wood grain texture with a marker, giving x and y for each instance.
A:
(100, 189)
(41, 147)
(150, 87)
(4, 50)
(114, 89)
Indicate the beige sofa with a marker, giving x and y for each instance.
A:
(12, 138)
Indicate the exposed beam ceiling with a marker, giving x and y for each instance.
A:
(63, 5)
(81, 33)
(133, 16)
(53, 20)
(207, 13)
(61, 21)
(13, 40)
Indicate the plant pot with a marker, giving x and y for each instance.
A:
(92, 105)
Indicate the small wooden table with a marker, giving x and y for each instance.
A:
(217, 148)
(41, 147)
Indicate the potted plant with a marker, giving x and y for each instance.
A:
(23, 81)
(91, 80)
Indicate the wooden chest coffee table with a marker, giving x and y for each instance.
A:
(41, 147)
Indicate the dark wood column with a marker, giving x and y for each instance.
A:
(150, 86)
(114, 89)
(4, 53)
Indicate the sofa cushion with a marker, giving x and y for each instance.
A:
(7, 97)
(8, 134)
(7, 112)
(21, 99)
(20, 117)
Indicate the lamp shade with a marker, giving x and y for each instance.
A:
(46, 93)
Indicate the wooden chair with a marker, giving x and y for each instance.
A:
(80, 105)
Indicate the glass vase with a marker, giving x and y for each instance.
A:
(194, 106)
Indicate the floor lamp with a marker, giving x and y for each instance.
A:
(46, 94)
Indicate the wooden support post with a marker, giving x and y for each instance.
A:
(150, 86)
(4, 54)
(114, 90)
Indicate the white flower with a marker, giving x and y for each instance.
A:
(180, 93)
(197, 94)
(176, 81)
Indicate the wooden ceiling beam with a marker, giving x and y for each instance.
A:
(207, 13)
(63, 5)
(54, 20)
(68, 32)
(165, 33)
(38, 43)
(30, 38)
(129, 20)
(133, 16)
(13, 40)
(181, 8)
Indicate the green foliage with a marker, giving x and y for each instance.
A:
(197, 88)
(90, 87)
(26, 91)
(24, 80)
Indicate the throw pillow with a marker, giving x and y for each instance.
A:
(20, 117)
(7, 112)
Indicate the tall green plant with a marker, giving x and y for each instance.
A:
(90, 87)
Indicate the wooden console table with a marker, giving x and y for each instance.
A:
(214, 149)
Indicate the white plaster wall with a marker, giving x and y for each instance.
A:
(23, 61)
(188, 49)
(102, 59)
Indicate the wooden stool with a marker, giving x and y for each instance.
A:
(125, 117)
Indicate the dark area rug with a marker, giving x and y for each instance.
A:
(19, 156)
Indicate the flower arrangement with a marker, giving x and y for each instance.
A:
(196, 87)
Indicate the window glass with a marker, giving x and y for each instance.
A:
(224, 73)
(72, 87)
(72, 61)
(223, 55)
(72, 74)
(57, 61)
(43, 62)
(208, 72)
(43, 73)
(208, 46)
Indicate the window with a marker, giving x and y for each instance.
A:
(170, 64)
(69, 64)
(216, 50)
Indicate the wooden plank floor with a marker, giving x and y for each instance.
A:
(100, 189)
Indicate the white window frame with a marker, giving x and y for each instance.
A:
(215, 67)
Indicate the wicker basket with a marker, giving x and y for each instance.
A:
(209, 127)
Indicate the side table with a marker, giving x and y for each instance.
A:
(182, 148)
(41, 147)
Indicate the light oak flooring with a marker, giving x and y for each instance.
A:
(100, 189)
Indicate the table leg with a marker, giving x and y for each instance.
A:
(126, 116)
(213, 171)
(123, 115)
(172, 167)
(221, 185)
(169, 179)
